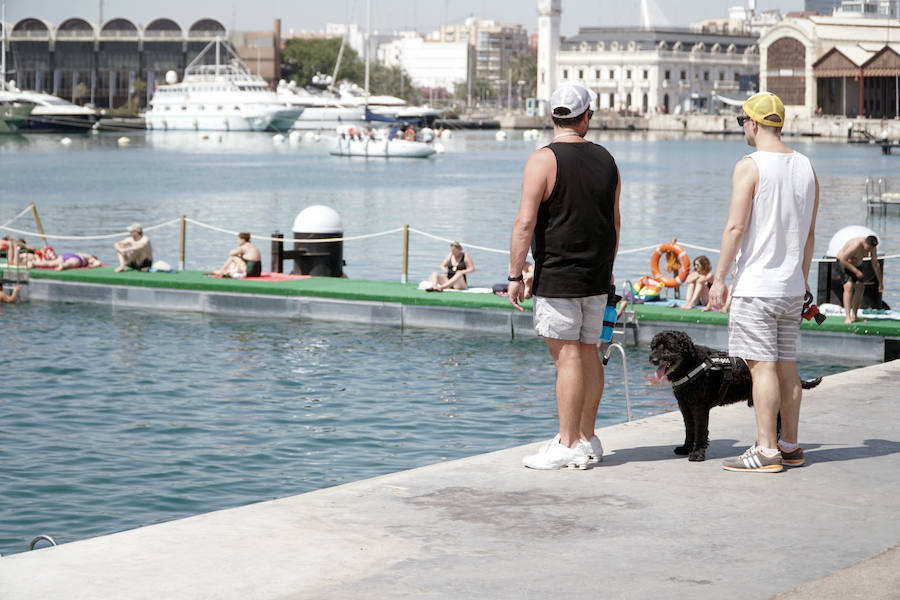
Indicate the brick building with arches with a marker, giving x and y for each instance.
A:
(833, 66)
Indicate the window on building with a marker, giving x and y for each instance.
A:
(612, 73)
(721, 75)
(705, 75)
(612, 100)
(597, 74)
(580, 74)
(628, 101)
(668, 74)
(646, 74)
(565, 73)
(628, 74)
(683, 75)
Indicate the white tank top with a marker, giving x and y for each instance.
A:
(770, 261)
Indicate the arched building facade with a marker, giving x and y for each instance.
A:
(106, 64)
(833, 66)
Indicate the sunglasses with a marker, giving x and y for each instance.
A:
(742, 119)
(590, 114)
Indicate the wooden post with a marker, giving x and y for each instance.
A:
(403, 275)
(183, 240)
(37, 222)
(277, 252)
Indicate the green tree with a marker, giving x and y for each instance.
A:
(392, 81)
(302, 59)
(524, 68)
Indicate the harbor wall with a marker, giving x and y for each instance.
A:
(827, 126)
(492, 321)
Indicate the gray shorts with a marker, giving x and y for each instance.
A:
(764, 329)
(570, 318)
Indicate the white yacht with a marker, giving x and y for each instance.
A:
(218, 97)
(49, 114)
(326, 108)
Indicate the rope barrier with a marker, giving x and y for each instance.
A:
(6, 227)
(466, 244)
(87, 237)
(17, 217)
(301, 240)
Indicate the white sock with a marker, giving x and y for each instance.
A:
(770, 452)
(787, 445)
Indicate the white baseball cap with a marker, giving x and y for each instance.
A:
(573, 97)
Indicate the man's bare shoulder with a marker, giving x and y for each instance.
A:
(542, 157)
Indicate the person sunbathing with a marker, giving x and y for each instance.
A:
(71, 260)
(243, 261)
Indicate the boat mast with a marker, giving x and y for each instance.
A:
(3, 48)
(368, 45)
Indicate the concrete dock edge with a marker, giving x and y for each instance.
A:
(643, 524)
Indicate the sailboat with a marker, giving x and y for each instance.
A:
(352, 142)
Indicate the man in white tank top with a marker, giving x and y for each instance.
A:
(770, 233)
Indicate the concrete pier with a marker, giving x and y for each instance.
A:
(642, 524)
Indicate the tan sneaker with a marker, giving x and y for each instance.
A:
(754, 460)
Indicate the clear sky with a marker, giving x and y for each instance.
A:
(423, 15)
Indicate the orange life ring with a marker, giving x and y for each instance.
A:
(410, 135)
(676, 255)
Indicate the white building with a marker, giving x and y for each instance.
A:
(672, 70)
(867, 9)
(836, 65)
(644, 69)
(430, 64)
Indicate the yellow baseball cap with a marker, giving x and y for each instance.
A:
(763, 106)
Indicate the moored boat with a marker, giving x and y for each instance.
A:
(219, 96)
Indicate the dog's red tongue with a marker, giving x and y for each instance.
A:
(660, 373)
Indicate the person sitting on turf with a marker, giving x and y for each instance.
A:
(134, 251)
(243, 261)
(456, 266)
(698, 283)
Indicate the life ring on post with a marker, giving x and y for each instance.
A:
(410, 135)
(675, 256)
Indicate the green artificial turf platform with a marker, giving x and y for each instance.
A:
(327, 287)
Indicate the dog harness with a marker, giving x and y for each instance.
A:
(720, 362)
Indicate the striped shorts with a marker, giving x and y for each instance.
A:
(570, 318)
(764, 329)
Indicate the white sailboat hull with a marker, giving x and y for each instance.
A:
(382, 148)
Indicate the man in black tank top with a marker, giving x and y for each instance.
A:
(569, 215)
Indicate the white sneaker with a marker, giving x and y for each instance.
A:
(593, 448)
(556, 456)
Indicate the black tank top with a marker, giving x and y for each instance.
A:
(575, 235)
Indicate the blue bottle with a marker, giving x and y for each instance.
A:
(609, 316)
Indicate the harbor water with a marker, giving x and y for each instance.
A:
(112, 419)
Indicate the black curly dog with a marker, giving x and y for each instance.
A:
(721, 382)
